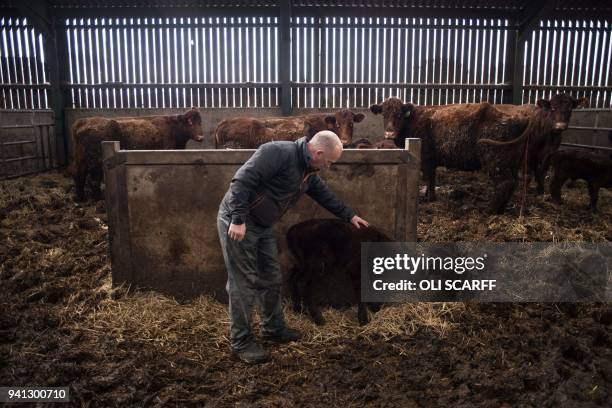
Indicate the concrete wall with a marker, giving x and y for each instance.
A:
(162, 208)
(44, 147)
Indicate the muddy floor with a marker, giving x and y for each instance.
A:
(62, 324)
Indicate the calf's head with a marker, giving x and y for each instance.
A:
(560, 108)
(396, 115)
(190, 124)
(341, 123)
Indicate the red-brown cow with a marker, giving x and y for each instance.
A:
(450, 136)
(250, 133)
(323, 247)
(147, 132)
(551, 118)
(596, 170)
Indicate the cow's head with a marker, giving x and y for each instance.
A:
(395, 115)
(191, 124)
(341, 123)
(560, 109)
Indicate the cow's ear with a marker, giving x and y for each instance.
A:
(376, 109)
(580, 103)
(407, 109)
(543, 104)
(331, 121)
(358, 117)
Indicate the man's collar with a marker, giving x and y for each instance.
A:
(306, 156)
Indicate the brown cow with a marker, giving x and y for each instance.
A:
(147, 132)
(450, 136)
(596, 170)
(250, 133)
(323, 247)
(551, 119)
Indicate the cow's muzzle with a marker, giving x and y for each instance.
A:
(390, 134)
(560, 126)
(198, 138)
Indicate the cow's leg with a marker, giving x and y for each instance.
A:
(95, 181)
(296, 284)
(429, 174)
(80, 174)
(593, 194)
(362, 314)
(311, 305)
(555, 185)
(540, 174)
(504, 185)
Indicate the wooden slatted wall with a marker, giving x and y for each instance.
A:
(23, 76)
(173, 62)
(571, 56)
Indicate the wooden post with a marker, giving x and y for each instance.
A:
(284, 55)
(413, 145)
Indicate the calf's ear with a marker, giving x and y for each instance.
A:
(543, 104)
(580, 103)
(358, 117)
(407, 109)
(376, 109)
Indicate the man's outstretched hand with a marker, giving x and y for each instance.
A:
(237, 232)
(359, 222)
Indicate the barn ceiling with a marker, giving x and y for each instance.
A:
(495, 8)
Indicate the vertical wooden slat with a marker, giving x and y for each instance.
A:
(27, 66)
(400, 58)
(606, 49)
(126, 64)
(359, 64)
(377, 42)
(114, 62)
(76, 56)
(29, 43)
(437, 62)
(179, 52)
(4, 73)
(85, 64)
(97, 63)
(3, 66)
(262, 62)
(242, 63)
(206, 62)
(265, 50)
(344, 65)
(367, 32)
(143, 61)
(232, 59)
(14, 74)
(37, 66)
(21, 68)
(222, 32)
(590, 69)
(160, 63)
(597, 52)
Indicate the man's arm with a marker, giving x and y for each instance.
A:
(319, 192)
(263, 165)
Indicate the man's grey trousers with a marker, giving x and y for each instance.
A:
(253, 277)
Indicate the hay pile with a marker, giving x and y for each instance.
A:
(63, 324)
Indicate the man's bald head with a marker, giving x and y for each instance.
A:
(325, 149)
(326, 140)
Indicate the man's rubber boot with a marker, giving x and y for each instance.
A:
(252, 354)
(284, 336)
